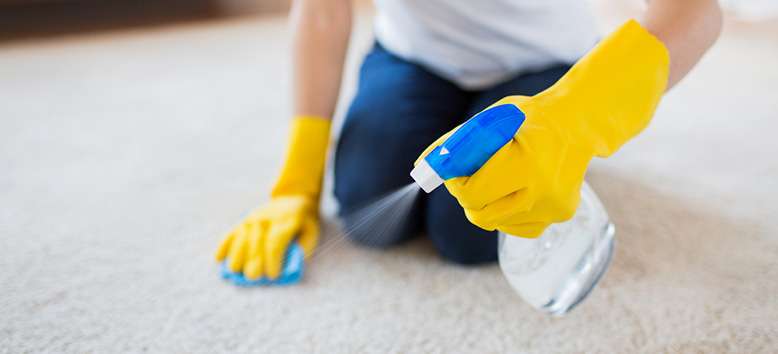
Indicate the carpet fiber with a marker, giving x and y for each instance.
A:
(124, 156)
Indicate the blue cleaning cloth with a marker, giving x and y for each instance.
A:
(291, 274)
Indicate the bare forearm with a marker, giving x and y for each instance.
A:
(688, 28)
(320, 35)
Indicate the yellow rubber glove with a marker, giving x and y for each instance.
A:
(258, 244)
(605, 99)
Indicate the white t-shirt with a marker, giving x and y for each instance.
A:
(479, 43)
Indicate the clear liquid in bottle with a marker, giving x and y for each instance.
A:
(557, 270)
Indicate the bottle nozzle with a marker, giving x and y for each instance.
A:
(425, 176)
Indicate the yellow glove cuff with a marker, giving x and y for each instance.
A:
(615, 88)
(303, 168)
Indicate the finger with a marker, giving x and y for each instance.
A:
(253, 269)
(494, 214)
(527, 230)
(309, 237)
(237, 251)
(507, 171)
(276, 245)
(253, 264)
(253, 239)
(221, 252)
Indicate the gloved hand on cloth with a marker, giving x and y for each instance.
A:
(271, 244)
(605, 99)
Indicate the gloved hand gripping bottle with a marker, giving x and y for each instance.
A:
(529, 184)
(555, 271)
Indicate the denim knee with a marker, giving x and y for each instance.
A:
(455, 237)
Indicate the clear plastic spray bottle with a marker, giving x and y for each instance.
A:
(555, 271)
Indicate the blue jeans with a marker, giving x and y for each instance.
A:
(401, 108)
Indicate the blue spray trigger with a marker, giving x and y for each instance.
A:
(474, 143)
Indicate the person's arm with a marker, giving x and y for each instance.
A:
(257, 246)
(320, 36)
(687, 28)
(604, 100)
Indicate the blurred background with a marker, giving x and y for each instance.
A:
(24, 19)
(134, 132)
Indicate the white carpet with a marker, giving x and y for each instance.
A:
(124, 156)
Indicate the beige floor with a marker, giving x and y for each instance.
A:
(123, 156)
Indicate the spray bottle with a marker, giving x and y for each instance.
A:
(555, 271)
